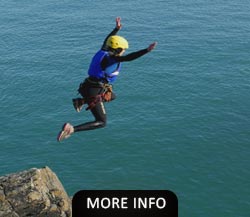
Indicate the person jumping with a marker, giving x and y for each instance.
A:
(97, 89)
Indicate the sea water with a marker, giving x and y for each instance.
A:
(181, 120)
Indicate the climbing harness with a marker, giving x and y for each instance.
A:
(104, 96)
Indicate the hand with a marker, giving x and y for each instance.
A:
(118, 23)
(152, 46)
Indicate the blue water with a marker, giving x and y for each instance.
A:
(181, 120)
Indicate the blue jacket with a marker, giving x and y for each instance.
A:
(111, 71)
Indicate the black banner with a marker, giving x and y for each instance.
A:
(125, 203)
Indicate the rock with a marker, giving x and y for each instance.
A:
(34, 193)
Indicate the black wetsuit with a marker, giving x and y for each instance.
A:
(92, 88)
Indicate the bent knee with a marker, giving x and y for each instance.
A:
(100, 124)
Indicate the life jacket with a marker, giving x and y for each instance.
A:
(110, 73)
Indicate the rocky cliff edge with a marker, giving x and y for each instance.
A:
(35, 193)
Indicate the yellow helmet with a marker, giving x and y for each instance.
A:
(116, 41)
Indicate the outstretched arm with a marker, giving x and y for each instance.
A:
(135, 55)
(114, 32)
(151, 46)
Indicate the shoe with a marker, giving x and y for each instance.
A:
(65, 133)
(78, 104)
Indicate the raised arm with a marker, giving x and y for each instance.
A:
(114, 32)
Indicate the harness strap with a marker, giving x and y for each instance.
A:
(104, 96)
(95, 100)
